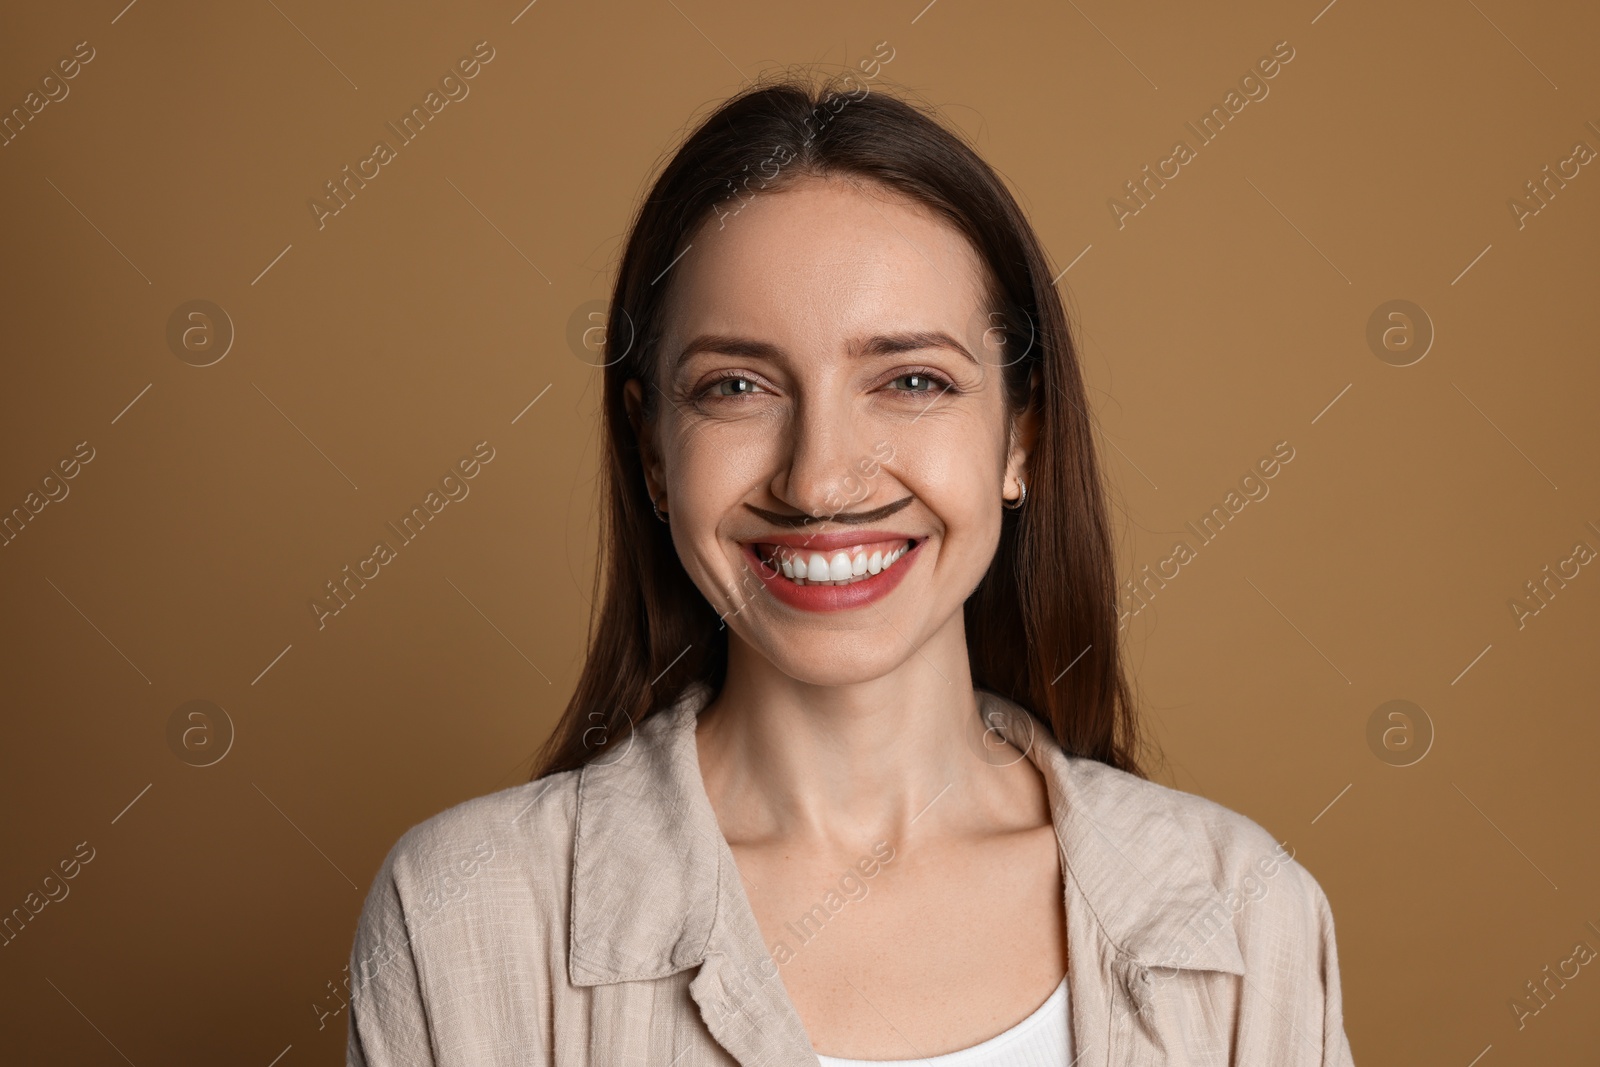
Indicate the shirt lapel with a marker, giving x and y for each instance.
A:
(1139, 911)
(645, 864)
(655, 891)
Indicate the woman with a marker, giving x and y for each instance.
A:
(851, 770)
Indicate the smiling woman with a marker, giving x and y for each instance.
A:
(936, 670)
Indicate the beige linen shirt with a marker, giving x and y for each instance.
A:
(596, 918)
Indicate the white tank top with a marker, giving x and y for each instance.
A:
(1043, 1039)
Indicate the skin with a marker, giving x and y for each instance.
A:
(837, 731)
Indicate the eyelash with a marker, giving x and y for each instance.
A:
(941, 384)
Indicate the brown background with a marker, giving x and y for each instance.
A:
(424, 318)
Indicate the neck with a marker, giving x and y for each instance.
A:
(880, 759)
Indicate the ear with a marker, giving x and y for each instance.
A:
(644, 434)
(1024, 434)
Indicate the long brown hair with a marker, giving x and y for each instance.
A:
(1049, 599)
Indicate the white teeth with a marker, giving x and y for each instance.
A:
(841, 568)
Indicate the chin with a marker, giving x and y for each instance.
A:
(833, 663)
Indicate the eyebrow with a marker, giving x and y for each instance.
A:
(882, 344)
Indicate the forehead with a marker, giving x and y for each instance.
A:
(825, 260)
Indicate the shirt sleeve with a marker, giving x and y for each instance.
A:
(1335, 1042)
(388, 1015)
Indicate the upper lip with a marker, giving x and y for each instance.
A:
(824, 542)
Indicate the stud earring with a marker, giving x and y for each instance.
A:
(1021, 500)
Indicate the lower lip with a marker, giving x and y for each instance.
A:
(857, 594)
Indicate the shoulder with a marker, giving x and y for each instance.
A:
(505, 828)
(1193, 849)
(1225, 842)
(1204, 907)
(445, 880)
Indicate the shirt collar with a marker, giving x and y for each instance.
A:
(647, 864)
(1133, 855)
(651, 872)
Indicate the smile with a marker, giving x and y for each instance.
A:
(843, 566)
(833, 572)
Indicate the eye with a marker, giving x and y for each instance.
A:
(731, 385)
(921, 382)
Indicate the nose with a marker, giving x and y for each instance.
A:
(827, 464)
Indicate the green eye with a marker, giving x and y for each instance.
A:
(734, 387)
(920, 383)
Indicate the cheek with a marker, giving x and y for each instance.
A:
(710, 470)
(711, 467)
(957, 473)
(949, 480)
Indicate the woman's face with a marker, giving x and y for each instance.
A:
(829, 397)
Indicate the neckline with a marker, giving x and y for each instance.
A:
(1054, 1003)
